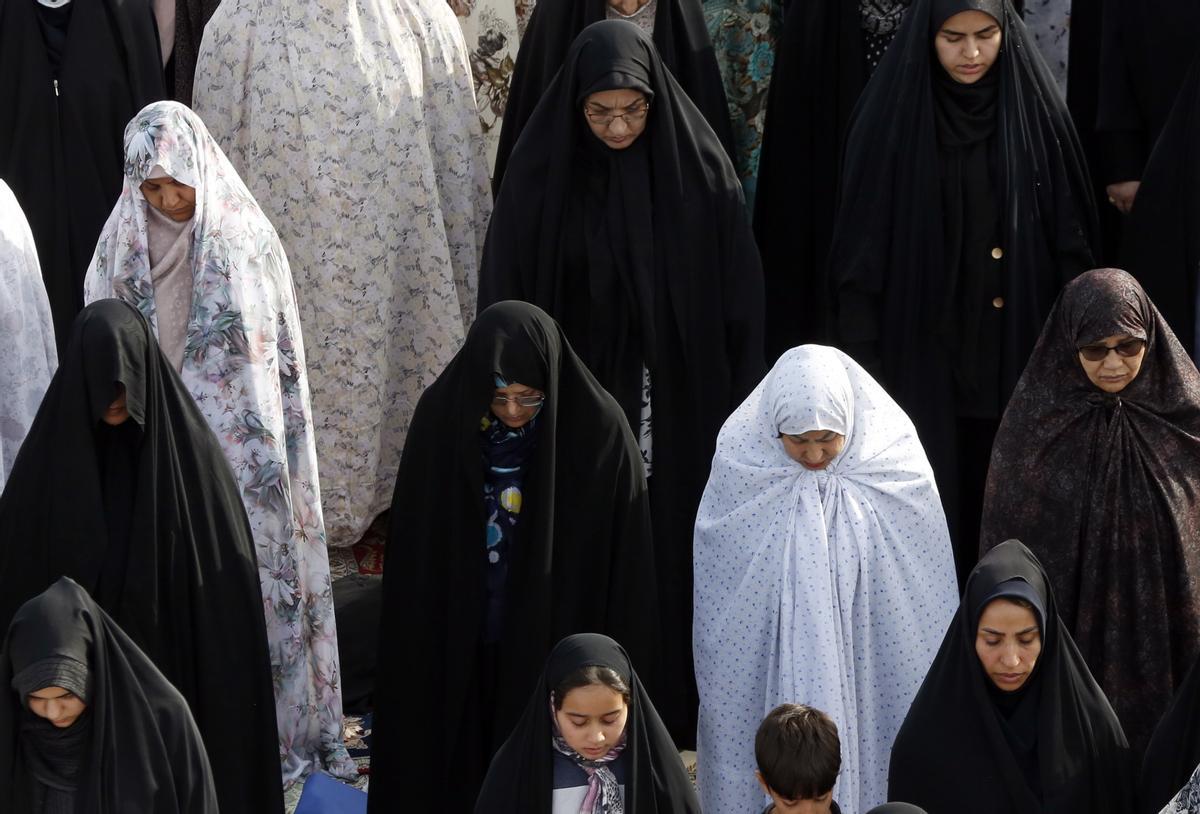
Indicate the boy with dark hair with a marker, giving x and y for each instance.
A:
(799, 755)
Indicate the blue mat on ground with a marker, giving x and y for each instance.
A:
(324, 795)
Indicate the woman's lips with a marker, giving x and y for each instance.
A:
(814, 467)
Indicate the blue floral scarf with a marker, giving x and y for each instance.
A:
(506, 454)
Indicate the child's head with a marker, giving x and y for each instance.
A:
(799, 756)
(591, 706)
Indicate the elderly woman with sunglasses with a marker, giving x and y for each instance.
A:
(1096, 466)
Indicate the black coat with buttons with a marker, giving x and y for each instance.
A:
(936, 176)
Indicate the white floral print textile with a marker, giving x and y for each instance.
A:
(29, 357)
(831, 588)
(243, 363)
(354, 125)
(1049, 21)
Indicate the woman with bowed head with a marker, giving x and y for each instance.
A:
(965, 206)
(680, 36)
(121, 486)
(522, 515)
(823, 575)
(622, 217)
(1096, 466)
(88, 725)
(1009, 720)
(188, 247)
(588, 741)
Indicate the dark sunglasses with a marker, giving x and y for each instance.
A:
(1096, 353)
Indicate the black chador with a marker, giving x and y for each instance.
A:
(71, 77)
(135, 747)
(145, 514)
(680, 35)
(964, 207)
(1053, 746)
(474, 601)
(646, 258)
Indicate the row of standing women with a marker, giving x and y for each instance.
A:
(841, 547)
(642, 221)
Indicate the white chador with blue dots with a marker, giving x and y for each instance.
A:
(830, 588)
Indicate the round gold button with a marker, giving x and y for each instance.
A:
(998, 302)
(997, 253)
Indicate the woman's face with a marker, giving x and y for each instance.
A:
(116, 413)
(592, 719)
(616, 117)
(1120, 364)
(58, 706)
(814, 449)
(174, 199)
(967, 45)
(517, 404)
(1008, 643)
(627, 7)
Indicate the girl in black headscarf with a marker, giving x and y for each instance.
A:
(1009, 720)
(1097, 466)
(122, 486)
(965, 205)
(520, 516)
(589, 731)
(88, 725)
(71, 75)
(631, 232)
(679, 33)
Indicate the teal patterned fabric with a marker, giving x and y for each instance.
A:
(743, 34)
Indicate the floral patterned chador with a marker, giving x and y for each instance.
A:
(355, 127)
(243, 363)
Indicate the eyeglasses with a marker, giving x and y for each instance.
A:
(605, 118)
(524, 401)
(1097, 353)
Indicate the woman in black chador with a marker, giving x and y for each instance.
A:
(88, 725)
(679, 33)
(72, 73)
(825, 55)
(121, 485)
(1009, 720)
(965, 205)
(520, 516)
(1162, 237)
(623, 218)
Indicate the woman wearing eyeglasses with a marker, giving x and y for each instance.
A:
(520, 516)
(622, 217)
(1096, 466)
